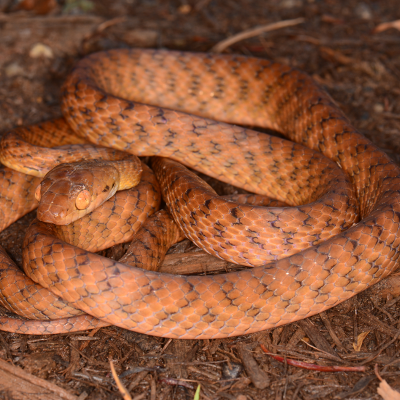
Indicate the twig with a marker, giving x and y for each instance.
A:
(221, 46)
(176, 382)
(121, 387)
(314, 367)
(51, 20)
(321, 353)
(153, 389)
(166, 345)
(327, 322)
(315, 335)
(377, 372)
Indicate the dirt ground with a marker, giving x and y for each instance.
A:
(345, 48)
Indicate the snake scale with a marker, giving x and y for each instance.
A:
(340, 236)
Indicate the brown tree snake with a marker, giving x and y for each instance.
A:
(340, 235)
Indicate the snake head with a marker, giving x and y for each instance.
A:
(70, 191)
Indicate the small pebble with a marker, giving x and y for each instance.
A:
(378, 108)
(363, 11)
(41, 50)
(13, 69)
(290, 3)
(185, 9)
(231, 370)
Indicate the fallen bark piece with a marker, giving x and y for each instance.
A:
(192, 263)
(256, 374)
(18, 384)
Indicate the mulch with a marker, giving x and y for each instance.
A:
(349, 49)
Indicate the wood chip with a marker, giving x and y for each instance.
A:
(257, 375)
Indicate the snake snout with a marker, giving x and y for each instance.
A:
(52, 216)
(62, 201)
(70, 191)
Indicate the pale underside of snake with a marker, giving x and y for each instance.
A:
(340, 237)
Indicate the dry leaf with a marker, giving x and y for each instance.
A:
(387, 392)
(360, 340)
(387, 25)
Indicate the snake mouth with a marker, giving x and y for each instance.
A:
(53, 216)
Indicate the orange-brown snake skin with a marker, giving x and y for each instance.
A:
(305, 259)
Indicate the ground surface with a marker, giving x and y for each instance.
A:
(338, 46)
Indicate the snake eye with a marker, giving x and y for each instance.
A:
(38, 196)
(83, 200)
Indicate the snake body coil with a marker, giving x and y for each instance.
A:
(165, 104)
